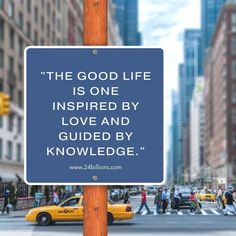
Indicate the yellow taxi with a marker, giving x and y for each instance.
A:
(72, 210)
(206, 195)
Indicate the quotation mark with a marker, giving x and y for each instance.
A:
(142, 148)
(42, 73)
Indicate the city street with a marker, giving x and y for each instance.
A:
(210, 222)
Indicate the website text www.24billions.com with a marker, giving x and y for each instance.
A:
(91, 167)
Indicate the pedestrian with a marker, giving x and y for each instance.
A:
(194, 206)
(144, 202)
(6, 203)
(157, 201)
(177, 197)
(126, 197)
(55, 197)
(219, 196)
(164, 198)
(229, 208)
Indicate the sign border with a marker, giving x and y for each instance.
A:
(25, 117)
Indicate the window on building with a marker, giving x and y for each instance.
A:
(28, 6)
(233, 69)
(42, 23)
(1, 29)
(42, 41)
(48, 31)
(28, 29)
(19, 125)
(58, 24)
(11, 9)
(11, 92)
(12, 38)
(19, 152)
(21, 21)
(1, 121)
(233, 93)
(10, 122)
(59, 5)
(233, 115)
(1, 85)
(9, 150)
(20, 72)
(53, 37)
(1, 58)
(58, 41)
(20, 46)
(20, 99)
(11, 64)
(1, 147)
(36, 14)
(1, 4)
(48, 9)
(233, 22)
(42, 3)
(35, 37)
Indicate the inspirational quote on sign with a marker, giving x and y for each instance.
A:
(79, 121)
(94, 115)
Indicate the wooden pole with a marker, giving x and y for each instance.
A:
(95, 197)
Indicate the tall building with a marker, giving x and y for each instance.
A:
(220, 100)
(173, 157)
(24, 23)
(181, 93)
(197, 121)
(192, 69)
(127, 18)
(210, 11)
(114, 37)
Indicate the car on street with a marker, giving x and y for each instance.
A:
(72, 210)
(152, 190)
(206, 195)
(185, 193)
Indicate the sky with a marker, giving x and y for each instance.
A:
(162, 23)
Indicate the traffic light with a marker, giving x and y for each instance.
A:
(4, 104)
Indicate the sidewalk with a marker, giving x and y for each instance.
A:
(13, 214)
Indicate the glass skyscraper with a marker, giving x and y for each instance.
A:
(127, 18)
(210, 11)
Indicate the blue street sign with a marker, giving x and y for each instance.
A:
(94, 115)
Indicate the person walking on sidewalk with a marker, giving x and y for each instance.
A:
(6, 201)
(164, 198)
(177, 197)
(143, 202)
(157, 201)
(219, 196)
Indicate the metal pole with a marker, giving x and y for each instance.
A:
(95, 197)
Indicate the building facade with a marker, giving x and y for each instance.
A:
(197, 120)
(220, 100)
(210, 11)
(173, 158)
(192, 68)
(127, 18)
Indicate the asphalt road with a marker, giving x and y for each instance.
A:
(170, 224)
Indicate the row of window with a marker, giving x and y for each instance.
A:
(11, 126)
(9, 153)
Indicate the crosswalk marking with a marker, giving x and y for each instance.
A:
(203, 212)
(144, 213)
(215, 212)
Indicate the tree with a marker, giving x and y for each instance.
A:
(13, 199)
(33, 190)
